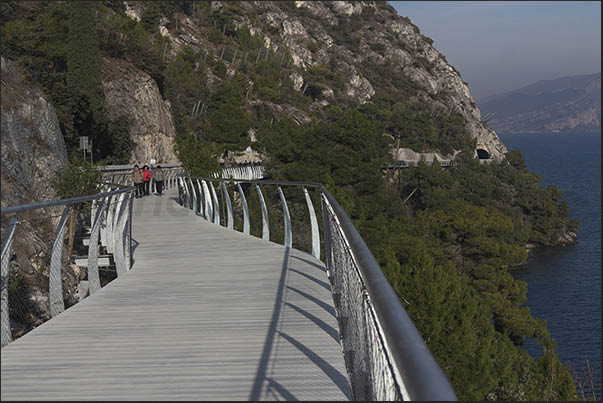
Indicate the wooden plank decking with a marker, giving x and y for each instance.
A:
(205, 313)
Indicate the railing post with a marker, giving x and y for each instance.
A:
(193, 205)
(93, 275)
(110, 223)
(265, 219)
(286, 219)
(326, 230)
(128, 251)
(313, 225)
(187, 193)
(55, 283)
(178, 180)
(5, 332)
(229, 221)
(104, 221)
(118, 236)
(216, 218)
(201, 199)
(245, 209)
(208, 204)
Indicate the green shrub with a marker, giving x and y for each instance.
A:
(198, 158)
(268, 94)
(78, 178)
(219, 69)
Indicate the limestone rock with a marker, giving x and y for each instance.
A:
(298, 81)
(352, 39)
(133, 10)
(360, 88)
(133, 93)
(32, 147)
(32, 150)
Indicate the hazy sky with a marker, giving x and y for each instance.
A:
(499, 46)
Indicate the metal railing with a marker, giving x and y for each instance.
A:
(110, 215)
(122, 174)
(408, 164)
(242, 172)
(385, 356)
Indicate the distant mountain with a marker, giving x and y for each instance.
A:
(566, 104)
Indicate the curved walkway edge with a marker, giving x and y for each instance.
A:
(205, 313)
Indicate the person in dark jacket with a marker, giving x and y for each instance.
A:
(137, 180)
(146, 178)
(159, 178)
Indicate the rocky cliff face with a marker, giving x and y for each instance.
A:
(568, 104)
(132, 93)
(32, 143)
(31, 152)
(366, 44)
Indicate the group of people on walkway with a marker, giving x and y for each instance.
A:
(142, 180)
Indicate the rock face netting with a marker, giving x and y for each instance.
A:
(372, 375)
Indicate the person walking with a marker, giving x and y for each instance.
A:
(159, 178)
(146, 178)
(137, 176)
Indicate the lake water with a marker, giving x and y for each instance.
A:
(564, 283)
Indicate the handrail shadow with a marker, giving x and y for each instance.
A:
(270, 357)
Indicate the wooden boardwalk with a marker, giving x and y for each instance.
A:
(205, 313)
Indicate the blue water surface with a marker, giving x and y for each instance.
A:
(564, 283)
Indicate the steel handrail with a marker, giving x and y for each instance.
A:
(128, 167)
(105, 211)
(260, 181)
(422, 376)
(62, 202)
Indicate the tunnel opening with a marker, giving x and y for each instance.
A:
(483, 154)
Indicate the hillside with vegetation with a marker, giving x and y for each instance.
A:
(322, 91)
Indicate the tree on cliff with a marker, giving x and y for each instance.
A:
(198, 158)
(84, 77)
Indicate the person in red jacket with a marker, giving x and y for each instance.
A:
(146, 178)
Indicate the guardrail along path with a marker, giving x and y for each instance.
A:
(205, 313)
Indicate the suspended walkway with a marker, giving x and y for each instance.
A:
(200, 311)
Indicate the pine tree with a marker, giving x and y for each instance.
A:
(84, 75)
